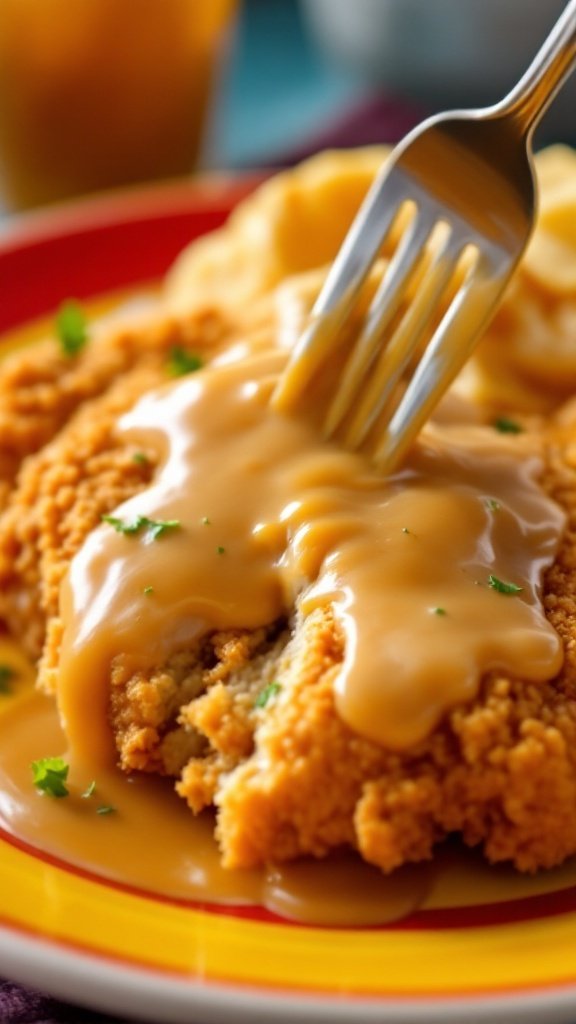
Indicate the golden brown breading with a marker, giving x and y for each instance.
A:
(290, 777)
(60, 496)
(62, 493)
(41, 387)
(501, 771)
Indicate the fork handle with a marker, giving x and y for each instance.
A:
(552, 65)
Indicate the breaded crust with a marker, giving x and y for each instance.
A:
(289, 777)
(49, 503)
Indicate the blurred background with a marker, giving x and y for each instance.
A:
(96, 94)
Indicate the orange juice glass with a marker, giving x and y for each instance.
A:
(100, 93)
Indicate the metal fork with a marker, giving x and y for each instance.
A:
(467, 177)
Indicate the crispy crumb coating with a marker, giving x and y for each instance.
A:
(61, 494)
(289, 777)
(41, 387)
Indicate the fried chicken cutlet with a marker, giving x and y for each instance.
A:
(287, 775)
(245, 719)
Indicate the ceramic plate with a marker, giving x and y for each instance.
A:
(128, 952)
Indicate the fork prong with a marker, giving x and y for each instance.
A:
(405, 340)
(448, 350)
(345, 278)
(383, 308)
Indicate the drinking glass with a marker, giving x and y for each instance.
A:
(101, 93)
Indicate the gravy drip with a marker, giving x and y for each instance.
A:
(151, 842)
(271, 515)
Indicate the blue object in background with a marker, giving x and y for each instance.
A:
(277, 90)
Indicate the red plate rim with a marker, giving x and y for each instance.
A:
(39, 251)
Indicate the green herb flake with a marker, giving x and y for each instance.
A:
(438, 611)
(267, 694)
(205, 521)
(90, 790)
(105, 809)
(49, 775)
(140, 458)
(220, 550)
(121, 527)
(7, 674)
(157, 527)
(148, 591)
(492, 505)
(181, 362)
(405, 529)
(502, 587)
(504, 425)
(71, 327)
(154, 527)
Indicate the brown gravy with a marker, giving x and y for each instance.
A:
(269, 514)
(153, 844)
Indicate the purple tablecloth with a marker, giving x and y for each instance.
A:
(24, 1006)
(377, 120)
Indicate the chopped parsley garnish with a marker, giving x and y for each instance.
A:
(502, 587)
(140, 458)
(504, 425)
(206, 521)
(154, 527)
(71, 327)
(492, 505)
(438, 611)
(49, 775)
(148, 591)
(89, 791)
(105, 809)
(221, 550)
(182, 362)
(405, 529)
(7, 674)
(267, 694)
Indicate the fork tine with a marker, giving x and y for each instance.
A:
(397, 353)
(448, 350)
(345, 278)
(383, 308)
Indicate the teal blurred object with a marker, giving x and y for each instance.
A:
(278, 90)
